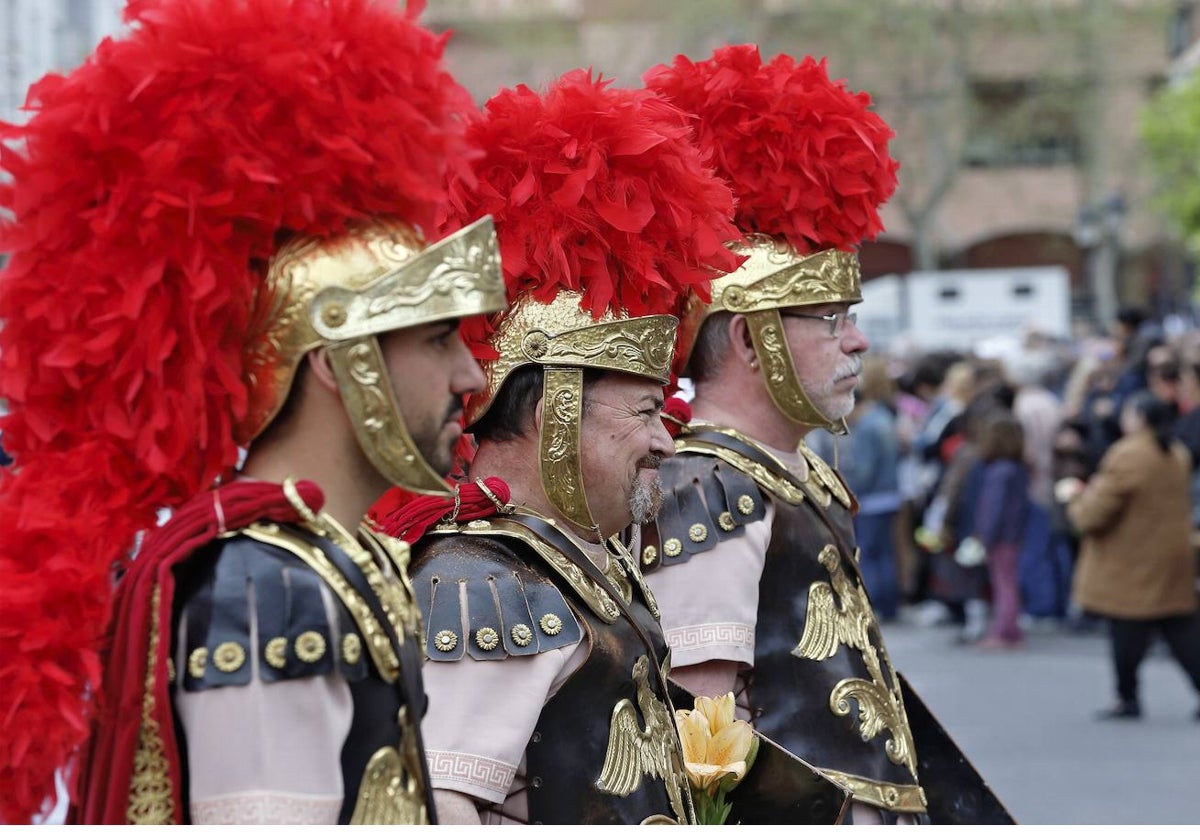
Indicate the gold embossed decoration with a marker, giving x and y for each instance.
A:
(229, 656)
(521, 635)
(275, 652)
(487, 638)
(649, 555)
(672, 547)
(377, 278)
(559, 443)
(351, 649)
(562, 334)
(445, 640)
(636, 751)
(779, 373)
(197, 661)
(551, 624)
(840, 614)
(392, 791)
(382, 433)
(697, 533)
(310, 646)
(151, 799)
(725, 521)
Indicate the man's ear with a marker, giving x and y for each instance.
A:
(537, 417)
(318, 362)
(741, 344)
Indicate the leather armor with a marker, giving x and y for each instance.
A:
(373, 642)
(822, 685)
(605, 749)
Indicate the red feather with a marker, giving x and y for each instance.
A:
(599, 190)
(148, 189)
(806, 157)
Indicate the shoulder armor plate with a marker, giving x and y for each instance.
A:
(302, 631)
(706, 500)
(479, 598)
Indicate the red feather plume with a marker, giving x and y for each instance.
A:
(806, 157)
(148, 189)
(599, 190)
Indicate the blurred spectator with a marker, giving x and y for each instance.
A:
(870, 463)
(1001, 513)
(960, 580)
(1135, 563)
(1039, 412)
(1163, 374)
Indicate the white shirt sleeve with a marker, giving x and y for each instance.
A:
(482, 714)
(266, 753)
(709, 604)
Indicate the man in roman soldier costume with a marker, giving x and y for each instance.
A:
(219, 249)
(754, 558)
(547, 671)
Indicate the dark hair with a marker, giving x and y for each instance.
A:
(1001, 437)
(711, 348)
(510, 415)
(1159, 416)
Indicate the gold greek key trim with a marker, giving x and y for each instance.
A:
(902, 799)
(635, 752)
(228, 657)
(275, 652)
(559, 443)
(151, 799)
(847, 619)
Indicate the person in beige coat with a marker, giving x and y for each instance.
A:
(1135, 564)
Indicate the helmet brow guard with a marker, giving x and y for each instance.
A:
(342, 293)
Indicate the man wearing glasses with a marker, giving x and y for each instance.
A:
(754, 553)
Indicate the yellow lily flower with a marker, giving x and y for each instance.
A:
(717, 748)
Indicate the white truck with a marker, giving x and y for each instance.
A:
(967, 309)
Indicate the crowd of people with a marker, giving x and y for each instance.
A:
(1057, 487)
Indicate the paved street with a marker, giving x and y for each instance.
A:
(1026, 721)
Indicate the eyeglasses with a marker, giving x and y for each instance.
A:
(837, 320)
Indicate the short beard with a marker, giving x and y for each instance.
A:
(646, 500)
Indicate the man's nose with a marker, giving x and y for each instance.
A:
(661, 443)
(854, 340)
